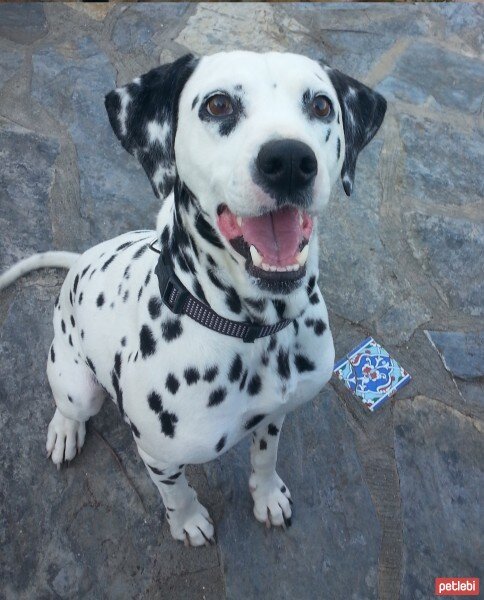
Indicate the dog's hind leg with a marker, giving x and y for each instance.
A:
(272, 500)
(188, 519)
(77, 395)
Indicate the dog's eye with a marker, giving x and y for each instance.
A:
(321, 106)
(219, 106)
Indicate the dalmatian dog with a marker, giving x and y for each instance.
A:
(243, 149)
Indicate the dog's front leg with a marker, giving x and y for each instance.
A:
(272, 500)
(188, 519)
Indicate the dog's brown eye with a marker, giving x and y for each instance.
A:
(321, 106)
(220, 106)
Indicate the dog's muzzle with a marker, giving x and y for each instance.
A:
(285, 168)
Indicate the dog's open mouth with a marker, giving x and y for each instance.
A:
(275, 244)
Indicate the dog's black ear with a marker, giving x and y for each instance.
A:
(363, 111)
(144, 115)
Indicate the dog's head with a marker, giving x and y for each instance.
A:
(257, 139)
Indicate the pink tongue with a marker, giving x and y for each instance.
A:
(276, 235)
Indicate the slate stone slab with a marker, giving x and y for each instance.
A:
(465, 20)
(439, 456)
(90, 530)
(22, 23)
(70, 81)
(451, 80)
(451, 250)
(147, 26)
(11, 58)
(334, 540)
(360, 278)
(26, 178)
(442, 163)
(352, 38)
(462, 353)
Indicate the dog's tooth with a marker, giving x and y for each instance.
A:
(272, 268)
(303, 256)
(256, 257)
(239, 221)
(265, 266)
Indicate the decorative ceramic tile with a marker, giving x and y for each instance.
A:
(371, 373)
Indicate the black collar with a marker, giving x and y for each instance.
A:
(181, 302)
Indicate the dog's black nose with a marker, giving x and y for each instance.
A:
(286, 166)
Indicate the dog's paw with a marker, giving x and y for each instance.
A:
(272, 500)
(191, 524)
(65, 438)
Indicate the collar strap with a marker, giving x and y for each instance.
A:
(179, 300)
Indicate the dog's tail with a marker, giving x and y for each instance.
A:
(53, 259)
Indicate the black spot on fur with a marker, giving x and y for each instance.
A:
(265, 359)
(73, 323)
(272, 429)
(235, 369)
(168, 481)
(100, 300)
(314, 298)
(126, 295)
(280, 307)
(338, 148)
(191, 375)
(319, 327)
(296, 326)
(199, 293)
(70, 398)
(125, 245)
(194, 103)
(52, 354)
(82, 334)
(215, 280)
(81, 296)
(117, 364)
(272, 343)
(221, 443)
(244, 379)
(232, 300)
(140, 291)
(63, 326)
(56, 303)
(118, 391)
(283, 489)
(108, 262)
(154, 307)
(327, 135)
(126, 273)
(76, 282)
(303, 363)
(258, 305)
(156, 472)
(147, 278)
(207, 231)
(171, 329)
(147, 343)
(174, 476)
(168, 421)
(123, 341)
(134, 429)
(310, 285)
(85, 270)
(90, 365)
(283, 367)
(154, 402)
(70, 298)
(210, 374)
(253, 421)
(263, 444)
(172, 384)
(139, 253)
(70, 340)
(217, 396)
(254, 385)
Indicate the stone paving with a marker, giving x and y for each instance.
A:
(384, 502)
